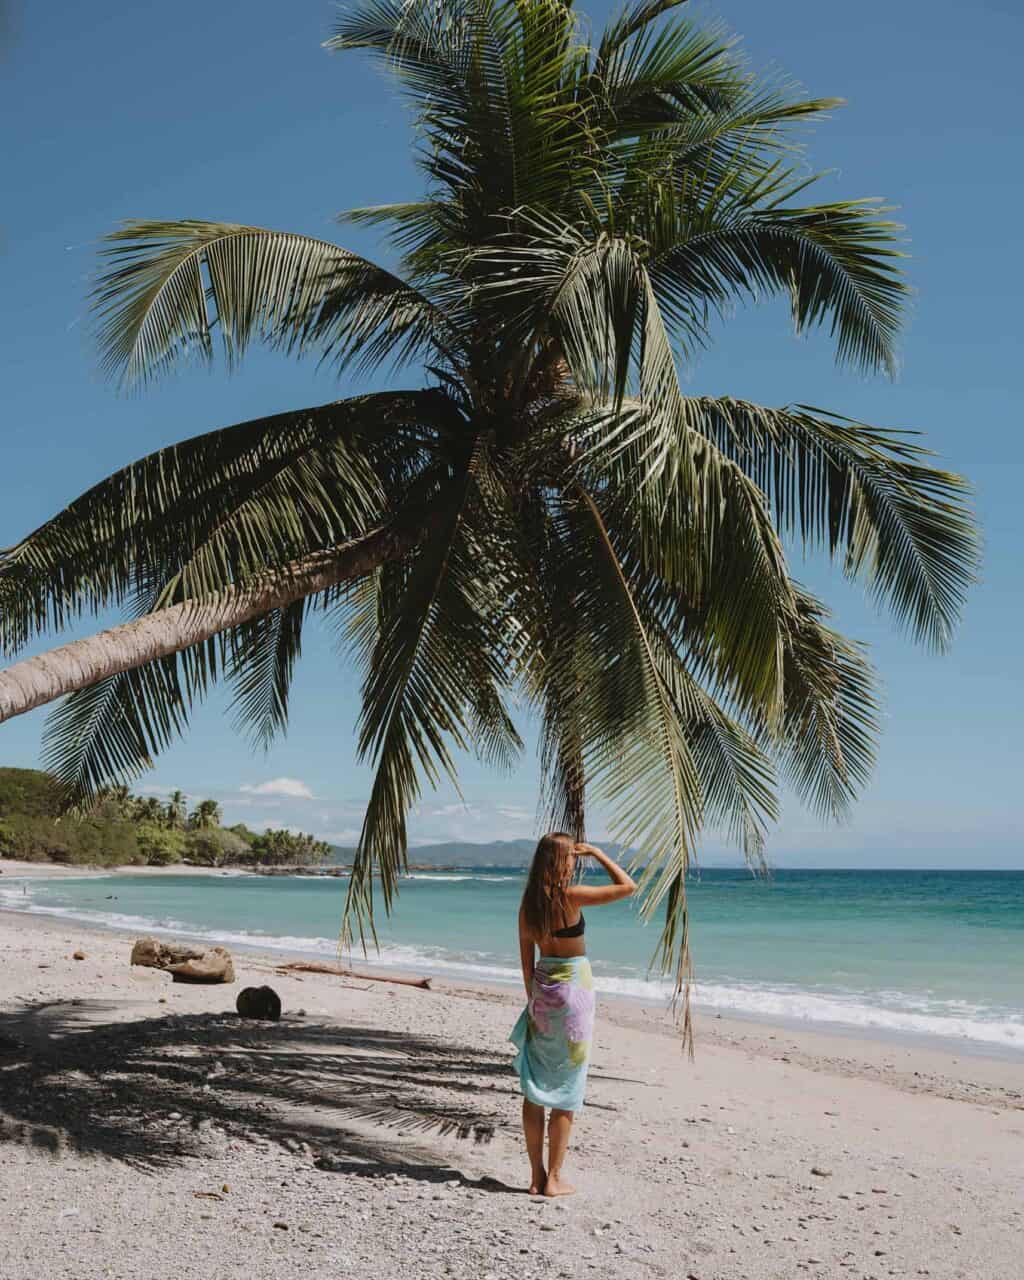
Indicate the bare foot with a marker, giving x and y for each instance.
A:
(556, 1187)
(538, 1184)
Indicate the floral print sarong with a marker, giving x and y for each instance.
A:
(554, 1032)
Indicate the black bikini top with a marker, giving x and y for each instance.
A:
(576, 930)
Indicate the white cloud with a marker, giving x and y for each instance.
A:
(292, 788)
(514, 813)
(447, 810)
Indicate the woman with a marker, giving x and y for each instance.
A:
(554, 1031)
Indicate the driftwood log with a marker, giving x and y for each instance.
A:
(185, 963)
(315, 966)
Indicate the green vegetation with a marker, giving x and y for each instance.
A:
(121, 829)
(540, 516)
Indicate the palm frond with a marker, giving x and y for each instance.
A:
(636, 752)
(112, 731)
(195, 516)
(706, 552)
(862, 493)
(489, 83)
(262, 657)
(553, 675)
(838, 262)
(648, 76)
(169, 287)
(433, 684)
(737, 779)
(729, 607)
(634, 19)
(829, 733)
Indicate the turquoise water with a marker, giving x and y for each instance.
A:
(923, 952)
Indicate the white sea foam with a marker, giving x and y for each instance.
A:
(449, 876)
(888, 1012)
(950, 1019)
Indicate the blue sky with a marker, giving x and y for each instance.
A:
(233, 111)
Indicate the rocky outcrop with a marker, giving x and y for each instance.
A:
(185, 964)
(259, 1002)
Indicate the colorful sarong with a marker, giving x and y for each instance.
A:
(554, 1032)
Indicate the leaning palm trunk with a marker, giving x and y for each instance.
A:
(592, 541)
(83, 663)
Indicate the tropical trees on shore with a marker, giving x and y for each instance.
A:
(120, 828)
(539, 510)
(284, 848)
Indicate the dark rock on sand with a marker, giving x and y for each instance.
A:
(259, 1002)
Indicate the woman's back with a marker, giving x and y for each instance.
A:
(565, 940)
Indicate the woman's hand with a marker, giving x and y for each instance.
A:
(622, 883)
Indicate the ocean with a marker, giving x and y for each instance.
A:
(920, 953)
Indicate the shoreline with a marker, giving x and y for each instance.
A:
(851, 1045)
(834, 1033)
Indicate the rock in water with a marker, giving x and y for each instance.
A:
(259, 1002)
(185, 964)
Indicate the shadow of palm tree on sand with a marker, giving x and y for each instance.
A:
(78, 1076)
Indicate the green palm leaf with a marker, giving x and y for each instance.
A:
(112, 731)
(837, 262)
(262, 661)
(636, 753)
(169, 286)
(829, 732)
(860, 492)
(193, 517)
(433, 684)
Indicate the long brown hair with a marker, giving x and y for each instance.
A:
(545, 906)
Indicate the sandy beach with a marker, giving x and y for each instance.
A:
(56, 870)
(373, 1131)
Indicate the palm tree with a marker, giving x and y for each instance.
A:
(117, 799)
(150, 809)
(549, 516)
(205, 815)
(176, 811)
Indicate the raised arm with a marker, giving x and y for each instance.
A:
(526, 953)
(622, 883)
